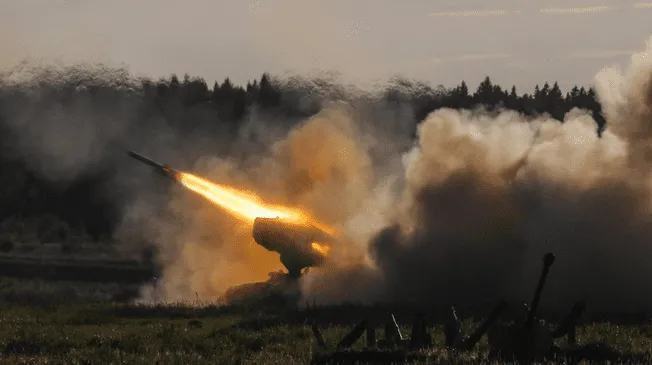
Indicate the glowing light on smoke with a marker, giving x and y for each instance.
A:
(321, 248)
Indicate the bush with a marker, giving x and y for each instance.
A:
(52, 229)
(6, 244)
(70, 246)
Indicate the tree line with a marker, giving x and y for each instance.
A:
(40, 208)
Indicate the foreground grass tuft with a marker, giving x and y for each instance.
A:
(110, 334)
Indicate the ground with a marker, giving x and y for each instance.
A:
(55, 330)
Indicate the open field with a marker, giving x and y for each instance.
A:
(94, 331)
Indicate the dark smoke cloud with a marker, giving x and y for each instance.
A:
(486, 196)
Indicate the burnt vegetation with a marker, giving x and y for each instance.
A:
(61, 208)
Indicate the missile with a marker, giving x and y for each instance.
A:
(293, 242)
(160, 168)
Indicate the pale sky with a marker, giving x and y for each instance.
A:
(435, 41)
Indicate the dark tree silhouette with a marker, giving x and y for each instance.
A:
(86, 205)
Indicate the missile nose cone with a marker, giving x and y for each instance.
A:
(159, 167)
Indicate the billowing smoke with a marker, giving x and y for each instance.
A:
(485, 196)
(323, 165)
(464, 216)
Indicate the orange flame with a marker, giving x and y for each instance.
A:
(321, 248)
(244, 205)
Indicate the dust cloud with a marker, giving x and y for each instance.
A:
(483, 197)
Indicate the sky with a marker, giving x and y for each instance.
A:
(441, 42)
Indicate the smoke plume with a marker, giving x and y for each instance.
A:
(330, 179)
(485, 196)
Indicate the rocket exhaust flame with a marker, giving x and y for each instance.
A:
(241, 204)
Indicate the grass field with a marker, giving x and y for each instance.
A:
(83, 331)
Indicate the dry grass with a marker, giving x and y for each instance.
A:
(45, 324)
(111, 334)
